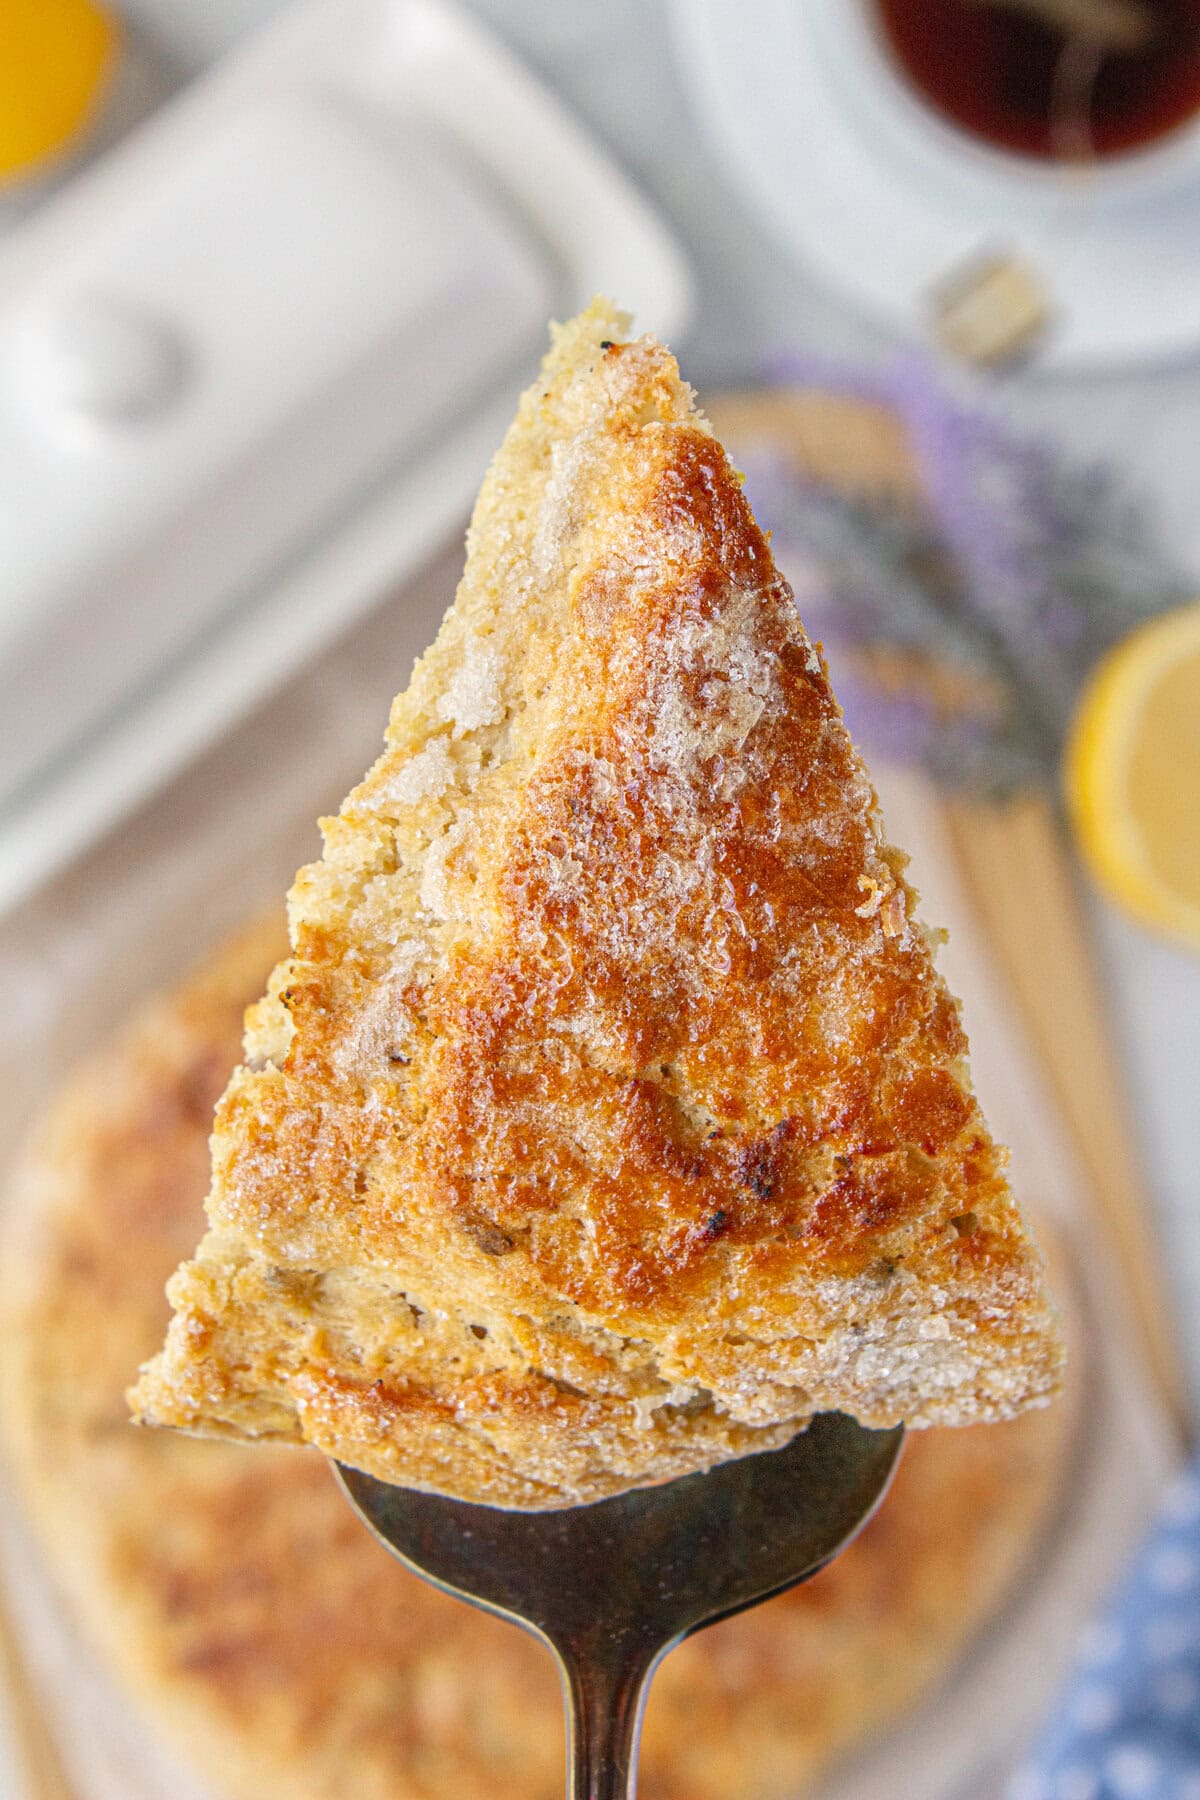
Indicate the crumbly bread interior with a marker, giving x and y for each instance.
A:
(609, 1118)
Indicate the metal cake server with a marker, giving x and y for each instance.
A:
(611, 1587)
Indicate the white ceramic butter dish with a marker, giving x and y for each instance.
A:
(252, 366)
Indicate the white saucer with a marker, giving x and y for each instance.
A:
(882, 201)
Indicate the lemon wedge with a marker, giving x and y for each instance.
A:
(55, 57)
(1133, 774)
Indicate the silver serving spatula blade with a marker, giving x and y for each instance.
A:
(611, 1587)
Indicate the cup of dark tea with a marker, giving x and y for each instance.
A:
(1050, 81)
(1017, 180)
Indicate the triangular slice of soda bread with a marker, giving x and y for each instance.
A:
(609, 1118)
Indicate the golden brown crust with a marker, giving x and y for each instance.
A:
(609, 1118)
(290, 1657)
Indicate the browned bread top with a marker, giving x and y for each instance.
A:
(610, 1117)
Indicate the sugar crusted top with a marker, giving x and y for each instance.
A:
(609, 1031)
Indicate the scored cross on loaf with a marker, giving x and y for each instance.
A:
(610, 1118)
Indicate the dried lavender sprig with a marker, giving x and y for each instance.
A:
(1026, 570)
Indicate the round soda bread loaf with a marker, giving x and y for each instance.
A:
(284, 1652)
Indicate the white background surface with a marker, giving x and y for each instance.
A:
(613, 63)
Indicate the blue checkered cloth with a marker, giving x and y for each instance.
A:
(1128, 1725)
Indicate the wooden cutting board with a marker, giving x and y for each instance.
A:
(1016, 862)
